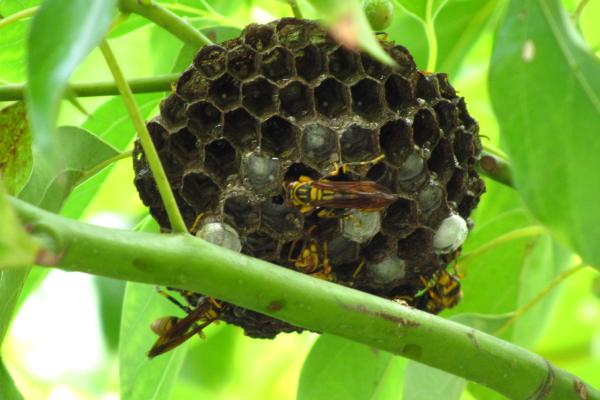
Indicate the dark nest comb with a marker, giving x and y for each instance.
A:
(284, 100)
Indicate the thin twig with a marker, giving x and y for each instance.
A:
(166, 194)
(495, 167)
(539, 297)
(167, 20)
(26, 13)
(295, 9)
(160, 83)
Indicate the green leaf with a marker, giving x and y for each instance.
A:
(545, 89)
(17, 249)
(142, 378)
(132, 23)
(15, 147)
(422, 9)
(111, 123)
(458, 26)
(12, 68)
(487, 323)
(83, 155)
(111, 293)
(62, 34)
(11, 283)
(338, 368)
(348, 13)
(212, 362)
(8, 390)
(424, 382)
(522, 265)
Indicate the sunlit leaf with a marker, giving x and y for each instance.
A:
(143, 378)
(483, 393)
(15, 147)
(111, 293)
(359, 371)
(422, 9)
(8, 390)
(132, 23)
(350, 26)
(16, 247)
(12, 67)
(11, 283)
(458, 26)
(62, 33)
(83, 154)
(111, 123)
(488, 323)
(521, 265)
(424, 382)
(212, 362)
(545, 88)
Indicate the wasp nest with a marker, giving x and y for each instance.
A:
(284, 100)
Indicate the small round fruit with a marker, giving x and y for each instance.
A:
(379, 13)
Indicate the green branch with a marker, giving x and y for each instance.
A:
(187, 262)
(165, 19)
(160, 83)
(495, 167)
(164, 188)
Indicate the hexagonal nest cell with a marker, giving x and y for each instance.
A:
(285, 102)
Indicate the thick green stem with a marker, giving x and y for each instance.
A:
(187, 262)
(161, 83)
(164, 188)
(495, 167)
(167, 20)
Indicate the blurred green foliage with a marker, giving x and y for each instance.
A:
(555, 81)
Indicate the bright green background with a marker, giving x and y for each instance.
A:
(545, 103)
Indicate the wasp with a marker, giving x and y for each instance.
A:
(310, 261)
(173, 331)
(335, 195)
(441, 291)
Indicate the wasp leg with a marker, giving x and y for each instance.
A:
(358, 269)
(345, 167)
(173, 300)
(291, 252)
(333, 213)
(197, 221)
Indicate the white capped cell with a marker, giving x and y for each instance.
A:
(360, 226)
(220, 234)
(386, 271)
(450, 235)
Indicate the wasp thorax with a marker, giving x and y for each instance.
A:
(320, 159)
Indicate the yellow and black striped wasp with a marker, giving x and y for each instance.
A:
(173, 331)
(441, 291)
(338, 196)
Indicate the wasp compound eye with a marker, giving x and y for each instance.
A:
(286, 146)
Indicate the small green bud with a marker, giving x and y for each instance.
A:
(379, 13)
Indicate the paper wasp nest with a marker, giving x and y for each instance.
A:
(284, 100)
